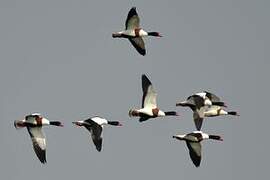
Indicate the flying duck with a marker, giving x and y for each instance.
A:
(218, 111)
(197, 105)
(149, 103)
(34, 123)
(95, 126)
(211, 111)
(204, 105)
(134, 33)
(202, 99)
(193, 143)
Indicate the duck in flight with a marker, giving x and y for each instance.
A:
(202, 99)
(34, 123)
(205, 105)
(134, 33)
(95, 126)
(149, 103)
(193, 143)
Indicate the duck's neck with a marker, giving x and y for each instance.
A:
(56, 123)
(215, 137)
(154, 34)
(114, 123)
(171, 113)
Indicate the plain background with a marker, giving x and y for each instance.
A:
(57, 57)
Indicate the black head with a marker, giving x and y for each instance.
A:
(171, 113)
(157, 34)
(215, 137)
(56, 123)
(234, 113)
(114, 123)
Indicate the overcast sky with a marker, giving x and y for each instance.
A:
(57, 57)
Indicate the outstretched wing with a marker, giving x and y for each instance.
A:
(212, 97)
(198, 119)
(149, 95)
(133, 20)
(138, 44)
(194, 152)
(196, 100)
(96, 134)
(39, 142)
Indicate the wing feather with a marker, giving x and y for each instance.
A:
(96, 134)
(138, 44)
(133, 20)
(198, 119)
(149, 95)
(194, 152)
(39, 142)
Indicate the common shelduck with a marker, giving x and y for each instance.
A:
(149, 103)
(134, 33)
(95, 126)
(202, 99)
(34, 123)
(218, 111)
(193, 143)
(203, 107)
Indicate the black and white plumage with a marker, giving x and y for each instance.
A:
(198, 100)
(34, 123)
(214, 110)
(133, 32)
(149, 108)
(197, 104)
(211, 99)
(95, 126)
(193, 143)
(203, 105)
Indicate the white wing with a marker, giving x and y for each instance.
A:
(39, 142)
(150, 100)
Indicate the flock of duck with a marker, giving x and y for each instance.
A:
(203, 104)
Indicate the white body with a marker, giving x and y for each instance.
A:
(214, 111)
(131, 32)
(149, 112)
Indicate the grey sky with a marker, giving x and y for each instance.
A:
(58, 58)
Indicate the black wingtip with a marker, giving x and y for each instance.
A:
(42, 156)
(145, 79)
(196, 162)
(133, 8)
(44, 161)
